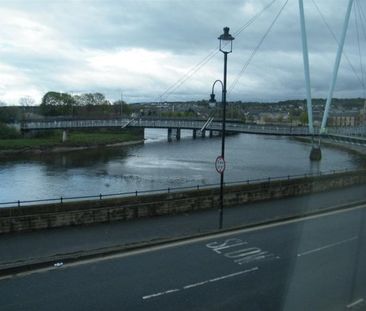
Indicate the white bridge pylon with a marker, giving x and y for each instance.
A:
(335, 69)
(305, 54)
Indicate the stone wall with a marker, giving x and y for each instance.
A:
(125, 208)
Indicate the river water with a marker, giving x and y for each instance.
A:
(158, 164)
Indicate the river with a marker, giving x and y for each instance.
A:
(158, 164)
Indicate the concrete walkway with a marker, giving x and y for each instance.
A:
(40, 245)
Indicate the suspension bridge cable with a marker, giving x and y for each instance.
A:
(362, 11)
(189, 74)
(253, 19)
(356, 14)
(255, 50)
(362, 16)
(362, 20)
(335, 38)
(211, 54)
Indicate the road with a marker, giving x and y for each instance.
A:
(316, 263)
(45, 243)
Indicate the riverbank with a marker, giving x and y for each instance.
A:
(76, 141)
(108, 209)
(355, 149)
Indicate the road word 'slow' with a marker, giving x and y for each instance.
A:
(239, 251)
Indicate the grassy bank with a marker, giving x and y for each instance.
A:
(75, 139)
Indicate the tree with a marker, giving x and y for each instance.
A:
(121, 106)
(26, 101)
(91, 99)
(8, 132)
(99, 99)
(54, 103)
(303, 118)
(10, 114)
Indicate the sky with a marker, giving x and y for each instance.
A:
(139, 49)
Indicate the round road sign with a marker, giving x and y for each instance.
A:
(220, 164)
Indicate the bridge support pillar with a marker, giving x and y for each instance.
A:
(194, 134)
(177, 134)
(203, 133)
(211, 133)
(170, 130)
(316, 152)
(64, 136)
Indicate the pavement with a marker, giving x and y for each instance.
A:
(19, 249)
(314, 263)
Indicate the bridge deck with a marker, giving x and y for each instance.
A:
(178, 124)
(349, 134)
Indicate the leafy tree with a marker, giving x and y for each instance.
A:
(7, 132)
(10, 114)
(92, 99)
(303, 117)
(54, 103)
(126, 109)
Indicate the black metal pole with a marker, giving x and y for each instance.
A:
(223, 142)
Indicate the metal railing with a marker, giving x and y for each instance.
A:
(353, 139)
(194, 124)
(100, 196)
(359, 130)
(173, 123)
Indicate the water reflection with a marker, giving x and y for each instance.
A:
(158, 164)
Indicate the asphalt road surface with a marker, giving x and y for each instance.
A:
(317, 263)
(45, 243)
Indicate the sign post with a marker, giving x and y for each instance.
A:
(220, 164)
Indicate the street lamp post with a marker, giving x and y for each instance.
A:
(121, 104)
(226, 45)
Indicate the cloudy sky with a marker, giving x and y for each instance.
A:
(141, 48)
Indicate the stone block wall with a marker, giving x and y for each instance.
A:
(126, 208)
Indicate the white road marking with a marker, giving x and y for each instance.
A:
(242, 255)
(162, 293)
(355, 303)
(217, 247)
(185, 242)
(189, 286)
(232, 275)
(212, 236)
(327, 246)
(195, 285)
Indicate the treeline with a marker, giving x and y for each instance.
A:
(10, 114)
(90, 105)
(86, 105)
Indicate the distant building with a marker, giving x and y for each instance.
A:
(363, 114)
(272, 117)
(344, 118)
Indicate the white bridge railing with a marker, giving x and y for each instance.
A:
(179, 124)
(285, 130)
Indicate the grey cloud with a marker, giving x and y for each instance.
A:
(190, 27)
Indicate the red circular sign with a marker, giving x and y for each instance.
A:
(220, 164)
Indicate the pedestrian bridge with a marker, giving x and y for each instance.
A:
(355, 135)
(198, 125)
